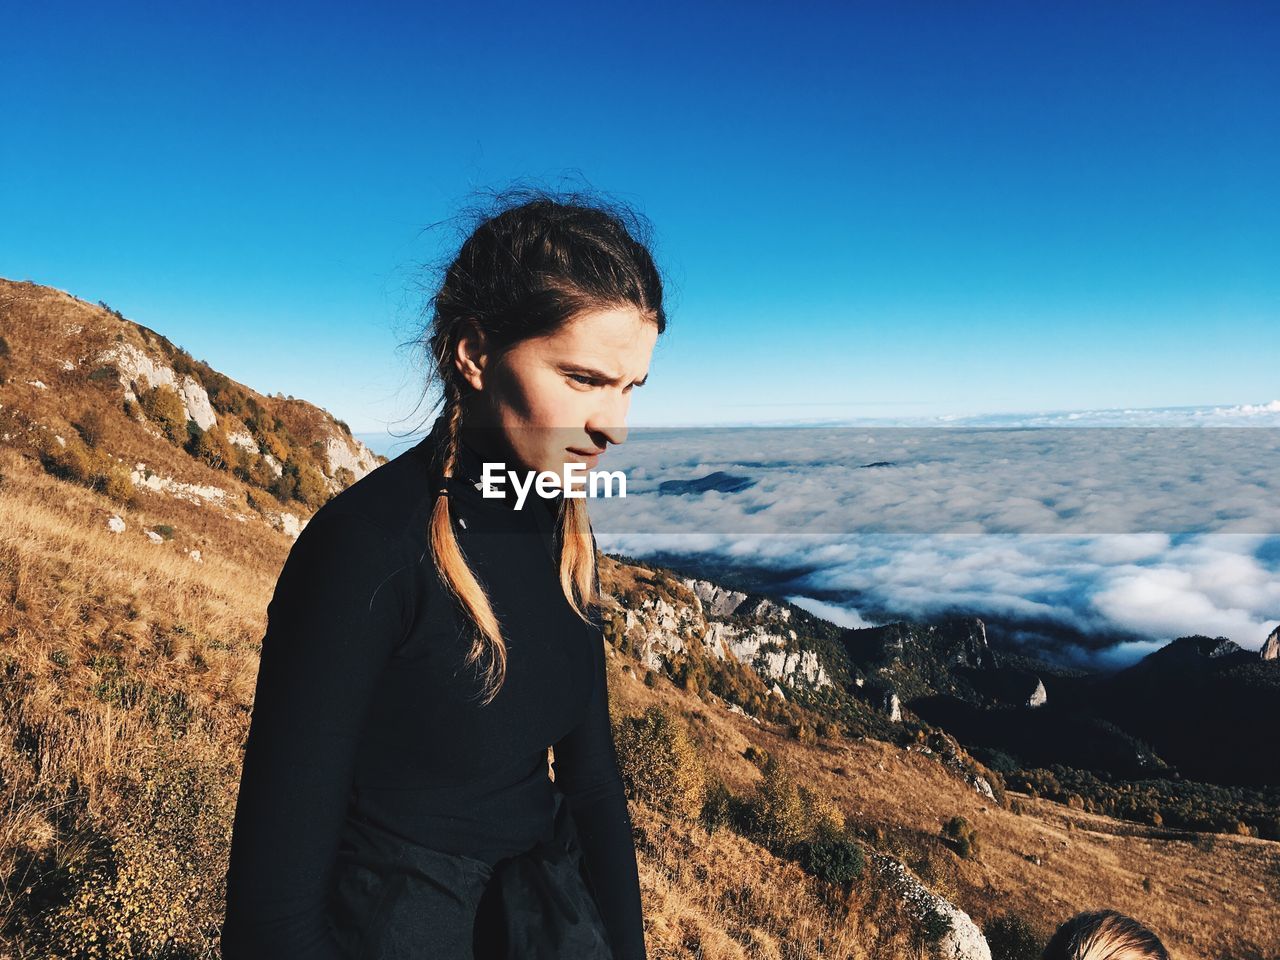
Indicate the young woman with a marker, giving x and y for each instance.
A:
(426, 644)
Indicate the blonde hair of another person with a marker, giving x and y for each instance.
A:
(1104, 935)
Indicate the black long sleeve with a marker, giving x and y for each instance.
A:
(332, 623)
(586, 769)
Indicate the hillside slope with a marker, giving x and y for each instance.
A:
(117, 406)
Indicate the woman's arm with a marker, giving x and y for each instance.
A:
(586, 769)
(332, 623)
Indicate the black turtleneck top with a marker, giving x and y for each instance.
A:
(364, 708)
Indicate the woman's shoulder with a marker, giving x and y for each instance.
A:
(393, 500)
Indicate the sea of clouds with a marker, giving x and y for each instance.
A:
(1129, 527)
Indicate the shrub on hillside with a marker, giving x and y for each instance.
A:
(836, 859)
(90, 426)
(212, 447)
(784, 813)
(659, 763)
(269, 441)
(689, 673)
(721, 808)
(1012, 938)
(827, 729)
(115, 481)
(823, 817)
(69, 461)
(254, 469)
(931, 927)
(163, 406)
(757, 755)
(778, 811)
(284, 487)
(801, 729)
(154, 888)
(964, 838)
(108, 374)
(313, 488)
(96, 469)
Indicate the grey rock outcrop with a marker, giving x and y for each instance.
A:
(1039, 696)
(136, 366)
(963, 940)
(1271, 649)
(727, 625)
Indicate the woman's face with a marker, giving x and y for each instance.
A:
(558, 398)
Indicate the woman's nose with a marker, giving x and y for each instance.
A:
(610, 420)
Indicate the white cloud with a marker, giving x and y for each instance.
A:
(834, 613)
(1150, 533)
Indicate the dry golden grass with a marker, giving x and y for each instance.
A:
(126, 664)
(1215, 896)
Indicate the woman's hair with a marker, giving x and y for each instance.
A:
(534, 261)
(1104, 935)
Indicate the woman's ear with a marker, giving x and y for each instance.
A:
(471, 355)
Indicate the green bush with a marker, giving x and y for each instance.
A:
(933, 926)
(835, 860)
(1012, 938)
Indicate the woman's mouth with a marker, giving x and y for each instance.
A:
(590, 456)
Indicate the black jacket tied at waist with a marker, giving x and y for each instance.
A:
(397, 900)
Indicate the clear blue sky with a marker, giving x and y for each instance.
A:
(889, 209)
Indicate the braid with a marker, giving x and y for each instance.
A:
(578, 574)
(455, 572)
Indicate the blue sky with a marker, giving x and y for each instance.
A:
(896, 209)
